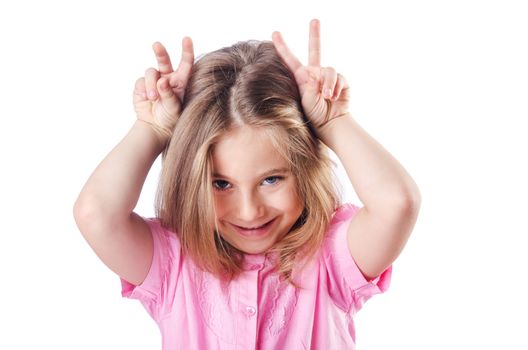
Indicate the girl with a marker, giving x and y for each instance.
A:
(250, 247)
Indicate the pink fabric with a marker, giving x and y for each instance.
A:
(257, 311)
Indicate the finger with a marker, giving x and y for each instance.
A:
(169, 100)
(151, 78)
(163, 58)
(314, 51)
(340, 85)
(140, 93)
(284, 52)
(179, 79)
(329, 81)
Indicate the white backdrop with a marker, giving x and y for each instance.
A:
(442, 85)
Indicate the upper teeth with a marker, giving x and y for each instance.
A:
(252, 228)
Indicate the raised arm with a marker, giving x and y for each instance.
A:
(391, 198)
(104, 209)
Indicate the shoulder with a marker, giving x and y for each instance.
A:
(335, 236)
(347, 285)
(166, 242)
(163, 233)
(342, 215)
(164, 267)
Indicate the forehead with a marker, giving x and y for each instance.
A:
(244, 151)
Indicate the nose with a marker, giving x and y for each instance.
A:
(251, 208)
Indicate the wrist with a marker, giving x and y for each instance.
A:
(327, 131)
(160, 137)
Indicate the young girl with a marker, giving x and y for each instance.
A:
(250, 247)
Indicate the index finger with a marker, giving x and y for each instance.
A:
(164, 62)
(291, 61)
(314, 50)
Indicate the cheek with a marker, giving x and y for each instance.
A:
(221, 204)
(287, 201)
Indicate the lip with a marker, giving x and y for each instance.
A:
(255, 233)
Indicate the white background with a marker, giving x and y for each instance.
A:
(441, 85)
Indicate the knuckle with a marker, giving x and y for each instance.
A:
(151, 71)
(178, 84)
(139, 82)
(330, 70)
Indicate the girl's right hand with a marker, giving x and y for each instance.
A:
(158, 95)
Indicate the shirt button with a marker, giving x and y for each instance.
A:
(250, 311)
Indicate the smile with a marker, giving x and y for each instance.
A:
(255, 231)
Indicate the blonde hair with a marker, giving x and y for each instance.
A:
(246, 84)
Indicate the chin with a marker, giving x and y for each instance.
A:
(253, 250)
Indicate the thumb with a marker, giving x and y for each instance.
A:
(168, 98)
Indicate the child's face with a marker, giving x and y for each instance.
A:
(246, 197)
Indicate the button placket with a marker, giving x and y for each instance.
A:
(248, 304)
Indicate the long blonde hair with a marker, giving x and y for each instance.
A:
(245, 84)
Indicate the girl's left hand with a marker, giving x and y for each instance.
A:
(324, 92)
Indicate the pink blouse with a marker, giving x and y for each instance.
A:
(257, 310)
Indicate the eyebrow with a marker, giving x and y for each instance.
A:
(266, 173)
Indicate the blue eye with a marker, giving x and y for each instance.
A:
(277, 178)
(220, 188)
(222, 185)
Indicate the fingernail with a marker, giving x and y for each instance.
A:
(328, 93)
(152, 94)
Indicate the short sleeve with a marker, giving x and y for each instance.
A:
(155, 290)
(347, 285)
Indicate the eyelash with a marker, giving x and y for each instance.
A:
(279, 178)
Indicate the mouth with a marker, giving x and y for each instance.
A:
(255, 231)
